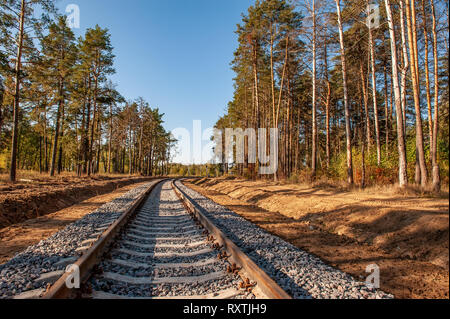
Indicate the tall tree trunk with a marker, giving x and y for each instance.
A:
(403, 174)
(257, 110)
(366, 106)
(412, 39)
(427, 73)
(346, 106)
(140, 147)
(245, 140)
(123, 160)
(386, 108)
(18, 68)
(291, 127)
(99, 145)
(434, 152)
(405, 59)
(374, 95)
(110, 138)
(412, 16)
(40, 154)
(57, 127)
(272, 76)
(327, 104)
(314, 96)
(281, 90)
(79, 141)
(297, 144)
(45, 141)
(363, 145)
(1, 113)
(86, 128)
(94, 122)
(60, 152)
(130, 159)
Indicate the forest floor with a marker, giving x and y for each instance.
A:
(18, 237)
(404, 232)
(36, 195)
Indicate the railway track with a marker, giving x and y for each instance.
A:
(163, 247)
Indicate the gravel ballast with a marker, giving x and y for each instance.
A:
(22, 273)
(299, 273)
(166, 246)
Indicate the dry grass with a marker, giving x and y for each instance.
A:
(30, 177)
(327, 184)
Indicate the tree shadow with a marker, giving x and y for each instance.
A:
(261, 261)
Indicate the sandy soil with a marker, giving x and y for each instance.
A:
(39, 195)
(16, 238)
(406, 235)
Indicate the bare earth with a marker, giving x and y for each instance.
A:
(39, 195)
(406, 235)
(18, 237)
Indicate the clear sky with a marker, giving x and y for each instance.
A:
(176, 54)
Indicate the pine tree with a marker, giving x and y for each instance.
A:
(346, 102)
(55, 69)
(434, 148)
(19, 23)
(96, 63)
(403, 175)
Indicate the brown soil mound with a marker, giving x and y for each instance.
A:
(41, 196)
(406, 235)
(18, 237)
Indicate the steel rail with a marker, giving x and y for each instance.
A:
(91, 257)
(267, 285)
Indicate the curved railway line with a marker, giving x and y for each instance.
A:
(163, 247)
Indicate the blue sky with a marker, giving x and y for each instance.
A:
(173, 53)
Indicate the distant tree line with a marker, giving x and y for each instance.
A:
(197, 170)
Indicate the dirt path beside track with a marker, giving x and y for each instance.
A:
(41, 195)
(16, 238)
(406, 236)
